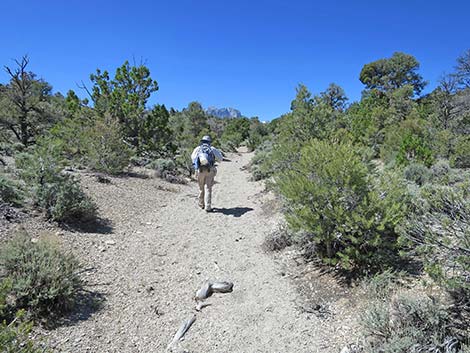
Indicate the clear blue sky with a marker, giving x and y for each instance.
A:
(249, 55)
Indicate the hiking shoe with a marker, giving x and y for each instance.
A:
(208, 209)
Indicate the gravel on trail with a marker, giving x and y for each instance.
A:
(154, 248)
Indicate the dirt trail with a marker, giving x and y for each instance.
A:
(160, 250)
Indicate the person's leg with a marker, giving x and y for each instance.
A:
(201, 180)
(209, 183)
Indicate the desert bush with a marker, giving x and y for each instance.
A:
(381, 285)
(44, 280)
(57, 193)
(440, 169)
(71, 136)
(184, 163)
(438, 229)
(163, 166)
(14, 336)
(10, 192)
(65, 201)
(460, 158)
(417, 173)
(350, 216)
(408, 323)
(278, 240)
(228, 146)
(261, 164)
(107, 151)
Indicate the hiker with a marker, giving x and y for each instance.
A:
(204, 157)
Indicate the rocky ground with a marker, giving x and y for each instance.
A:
(153, 248)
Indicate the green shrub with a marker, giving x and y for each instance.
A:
(5, 288)
(407, 323)
(350, 217)
(407, 143)
(183, 162)
(438, 230)
(163, 166)
(382, 285)
(444, 143)
(10, 191)
(228, 146)
(71, 137)
(44, 281)
(107, 151)
(414, 148)
(57, 193)
(65, 201)
(440, 169)
(460, 158)
(417, 173)
(261, 163)
(14, 336)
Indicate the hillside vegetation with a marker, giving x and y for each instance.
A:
(376, 191)
(383, 184)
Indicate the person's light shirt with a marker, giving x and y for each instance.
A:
(217, 154)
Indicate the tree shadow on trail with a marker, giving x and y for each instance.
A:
(234, 211)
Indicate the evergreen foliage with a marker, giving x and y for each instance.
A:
(330, 195)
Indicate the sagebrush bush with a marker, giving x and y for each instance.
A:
(407, 323)
(163, 166)
(438, 229)
(10, 192)
(43, 280)
(417, 173)
(381, 285)
(57, 193)
(278, 240)
(65, 201)
(261, 164)
(228, 146)
(183, 161)
(350, 217)
(440, 169)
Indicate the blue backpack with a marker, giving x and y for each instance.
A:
(205, 157)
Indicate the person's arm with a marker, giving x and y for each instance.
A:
(194, 154)
(217, 154)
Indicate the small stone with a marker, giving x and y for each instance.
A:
(110, 242)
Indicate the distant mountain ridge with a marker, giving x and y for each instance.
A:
(224, 112)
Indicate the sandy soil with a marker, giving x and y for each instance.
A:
(154, 248)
